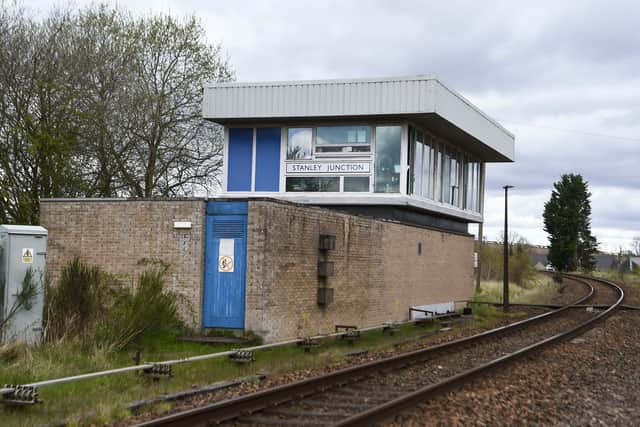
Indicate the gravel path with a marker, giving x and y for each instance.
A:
(592, 380)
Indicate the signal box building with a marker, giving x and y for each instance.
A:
(343, 202)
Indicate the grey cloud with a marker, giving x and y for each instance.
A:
(569, 65)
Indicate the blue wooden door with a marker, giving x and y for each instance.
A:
(225, 268)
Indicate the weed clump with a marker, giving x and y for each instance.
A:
(99, 310)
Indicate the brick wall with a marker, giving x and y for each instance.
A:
(125, 237)
(378, 271)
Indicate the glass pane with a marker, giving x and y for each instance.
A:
(479, 183)
(446, 179)
(313, 184)
(343, 135)
(454, 180)
(427, 167)
(387, 167)
(472, 186)
(299, 143)
(437, 173)
(411, 155)
(465, 182)
(343, 149)
(417, 168)
(356, 183)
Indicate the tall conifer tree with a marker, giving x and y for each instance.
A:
(567, 219)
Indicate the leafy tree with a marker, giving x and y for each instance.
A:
(567, 220)
(38, 134)
(99, 103)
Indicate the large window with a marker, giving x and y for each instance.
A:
(442, 173)
(299, 143)
(343, 139)
(387, 164)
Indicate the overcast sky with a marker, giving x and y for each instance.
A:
(564, 77)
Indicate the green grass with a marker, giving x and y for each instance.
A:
(102, 400)
(539, 291)
(632, 279)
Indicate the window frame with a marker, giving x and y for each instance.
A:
(465, 192)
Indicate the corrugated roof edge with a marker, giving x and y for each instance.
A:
(424, 77)
(321, 82)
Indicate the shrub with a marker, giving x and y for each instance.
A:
(147, 310)
(74, 304)
(521, 269)
(100, 310)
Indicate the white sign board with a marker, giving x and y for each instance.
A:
(225, 256)
(328, 167)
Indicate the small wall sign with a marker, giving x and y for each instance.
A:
(27, 255)
(226, 256)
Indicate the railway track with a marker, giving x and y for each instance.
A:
(369, 393)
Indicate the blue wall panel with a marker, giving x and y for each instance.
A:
(227, 208)
(267, 159)
(239, 158)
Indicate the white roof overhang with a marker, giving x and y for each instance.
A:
(422, 100)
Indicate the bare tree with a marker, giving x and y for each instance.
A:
(171, 146)
(103, 47)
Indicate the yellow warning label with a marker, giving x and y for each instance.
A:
(27, 255)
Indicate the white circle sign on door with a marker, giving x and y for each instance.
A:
(225, 264)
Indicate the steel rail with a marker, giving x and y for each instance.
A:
(596, 306)
(385, 410)
(225, 410)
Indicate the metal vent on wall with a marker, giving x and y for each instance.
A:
(228, 229)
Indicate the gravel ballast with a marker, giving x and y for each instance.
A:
(591, 380)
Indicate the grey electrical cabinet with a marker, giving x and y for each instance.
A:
(23, 251)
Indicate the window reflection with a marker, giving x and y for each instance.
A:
(356, 184)
(343, 139)
(299, 143)
(387, 164)
(313, 184)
